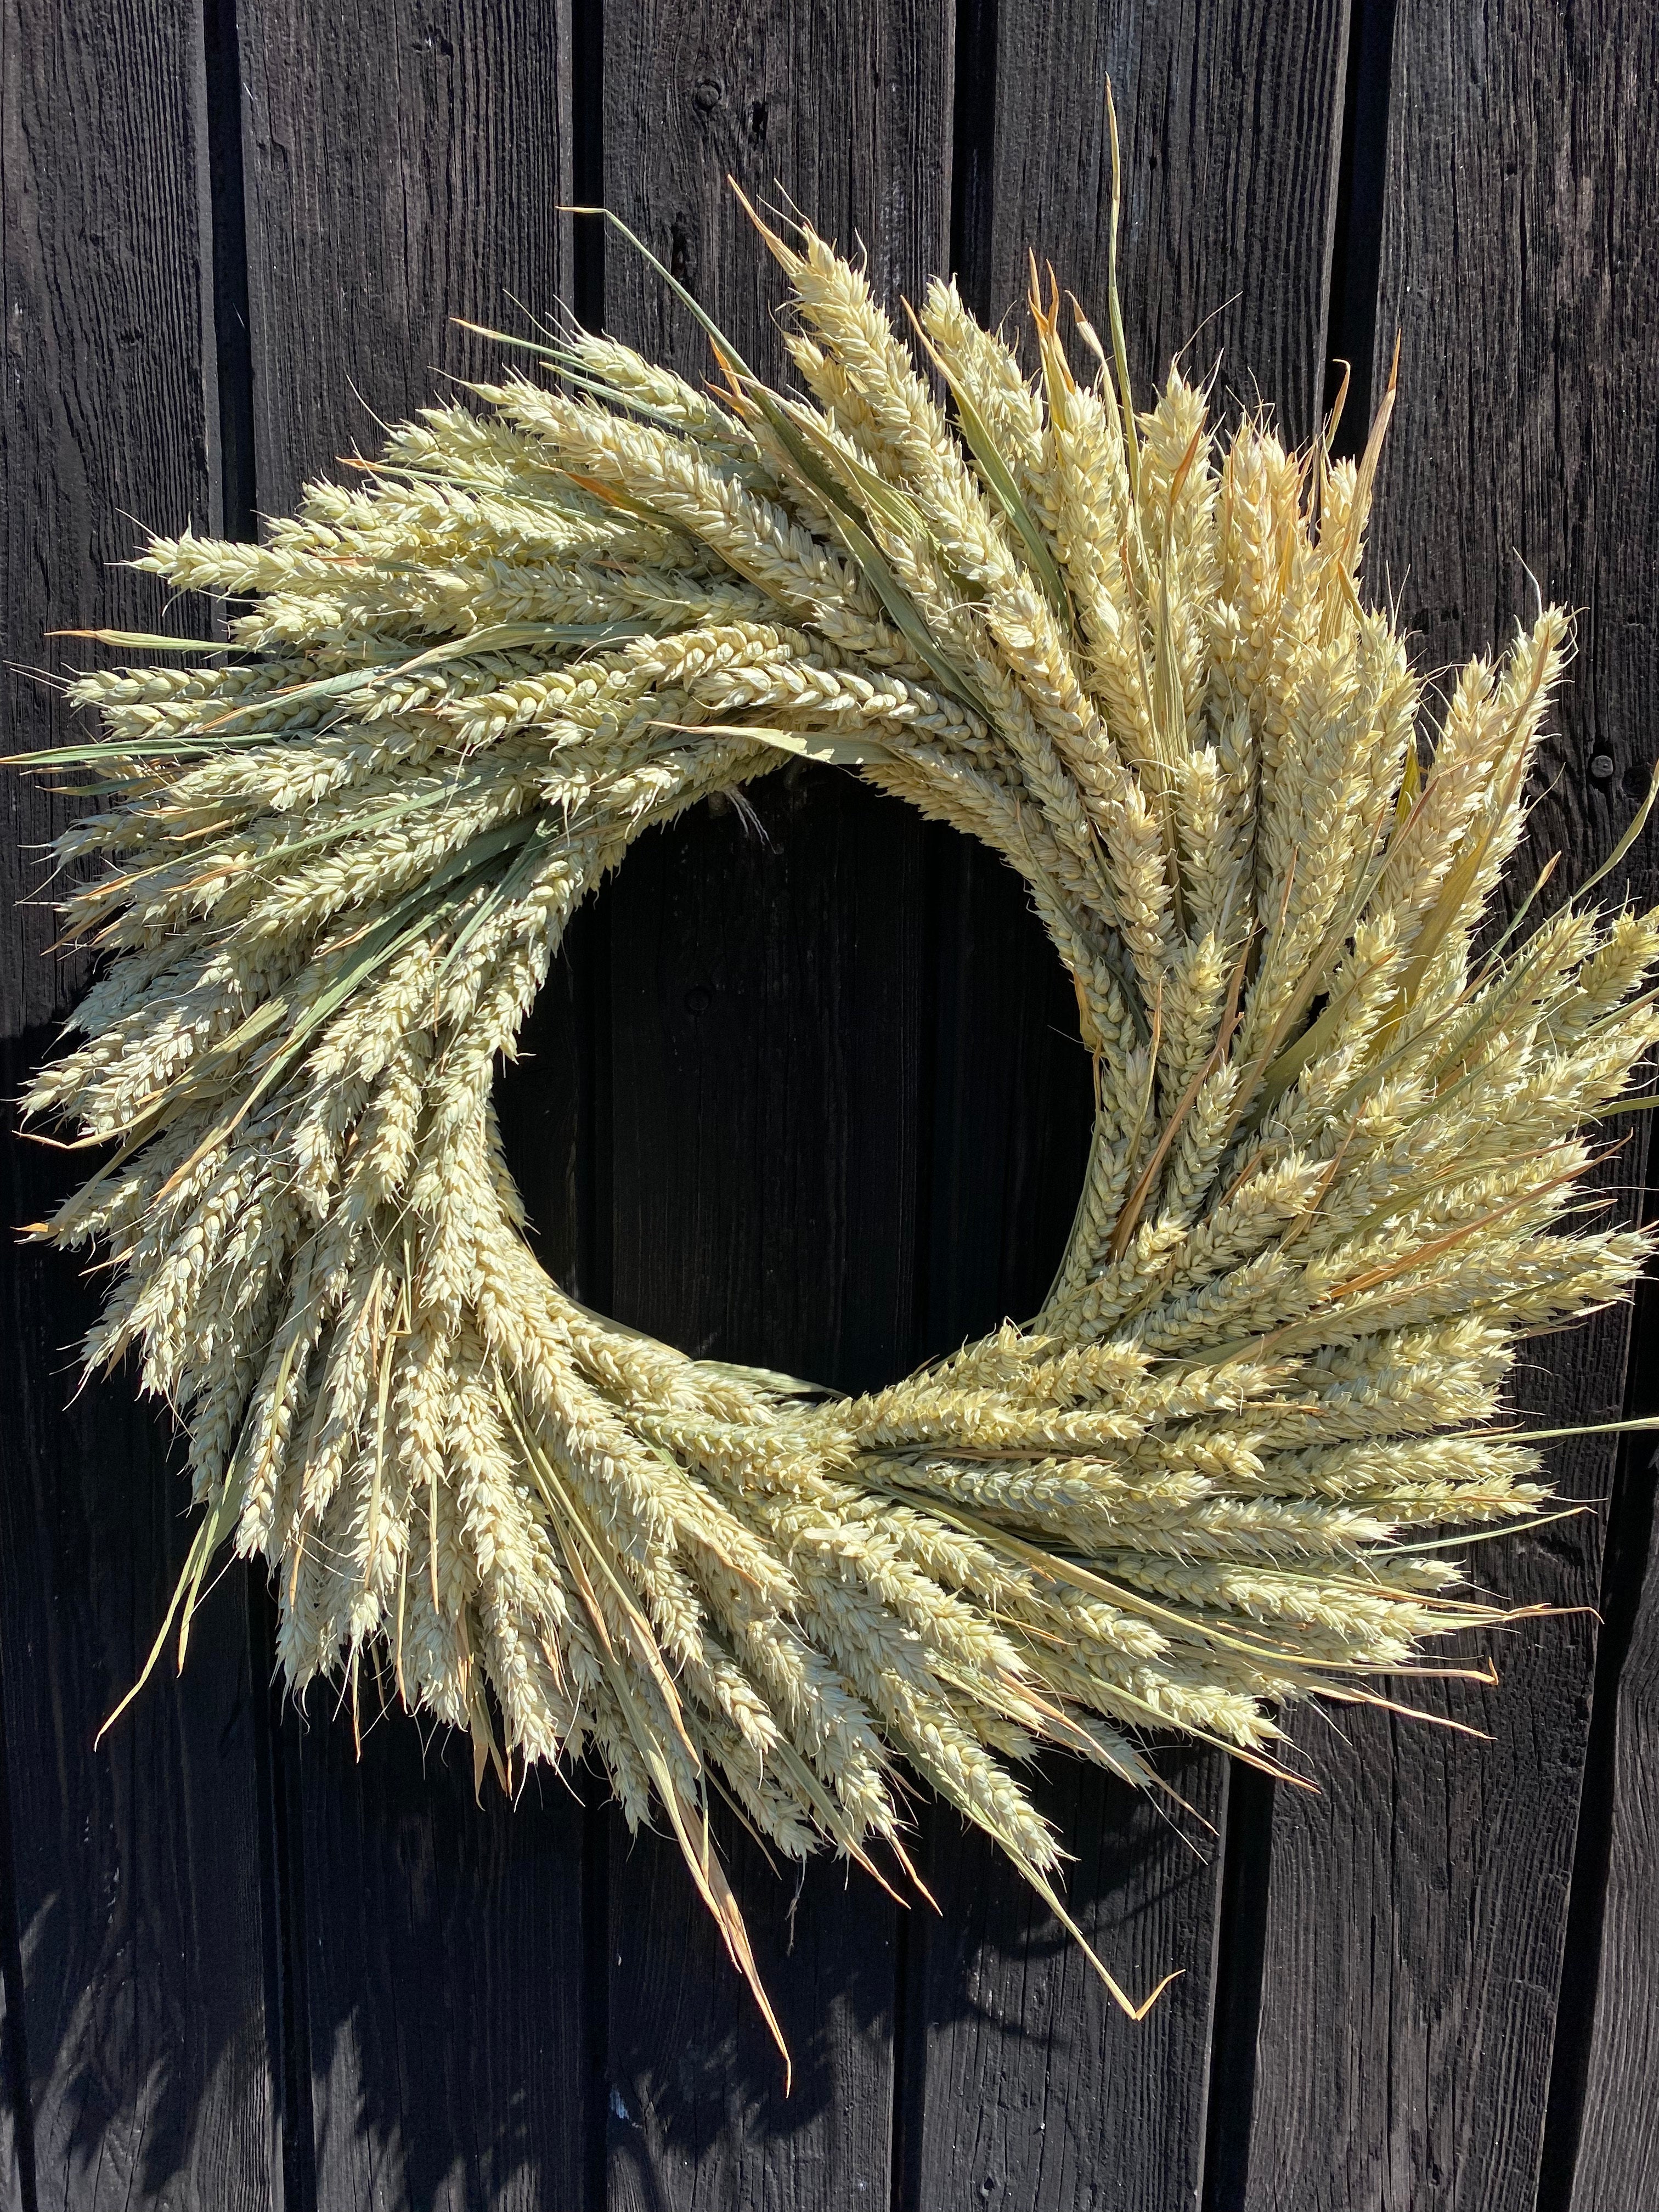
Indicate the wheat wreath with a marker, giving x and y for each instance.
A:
(1340, 1120)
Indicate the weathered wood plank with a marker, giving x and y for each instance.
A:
(137, 1860)
(1032, 2084)
(1616, 2126)
(1231, 124)
(766, 1059)
(1012, 1098)
(766, 1011)
(105, 266)
(443, 1971)
(1616, 2123)
(776, 1191)
(408, 172)
(402, 170)
(1417, 1910)
(545, 1103)
(843, 103)
(696, 2113)
(1600, 2141)
(1037, 2090)
(766, 998)
(18, 2190)
(17, 2178)
(136, 1863)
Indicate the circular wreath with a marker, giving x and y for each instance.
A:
(1334, 1132)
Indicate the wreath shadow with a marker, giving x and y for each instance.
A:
(922, 2037)
(525, 2001)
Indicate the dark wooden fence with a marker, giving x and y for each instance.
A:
(806, 1094)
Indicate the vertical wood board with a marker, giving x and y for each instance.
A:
(1231, 126)
(403, 167)
(135, 1861)
(1614, 141)
(1230, 122)
(1616, 2122)
(767, 1044)
(1417, 1910)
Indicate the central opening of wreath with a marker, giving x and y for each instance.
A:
(805, 1088)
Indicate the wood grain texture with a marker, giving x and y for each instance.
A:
(1230, 126)
(103, 416)
(137, 1860)
(134, 1863)
(810, 1093)
(1617, 2122)
(1417, 1910)
(767, 1056)
(405, 164)
(843, 106)
(1231, 123)
(696, 2116)
(405, 161)
(1614, 149)
(1037, 2092)
(442, 1975)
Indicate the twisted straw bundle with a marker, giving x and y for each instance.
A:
(1333, 1146)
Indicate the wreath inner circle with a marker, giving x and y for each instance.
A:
(536, 1084)
(1335, 1132)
